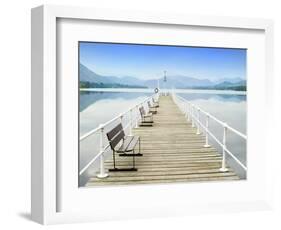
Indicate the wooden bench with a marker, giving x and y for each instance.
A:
(124, 145)
(155, 103)
(152, 109)
(146, 119)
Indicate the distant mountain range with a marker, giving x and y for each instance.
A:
(90, 79)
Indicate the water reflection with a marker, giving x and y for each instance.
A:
(215, 97)
(87, 98)
(231, 109)
(100, 107)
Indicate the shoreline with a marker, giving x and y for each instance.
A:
(149, 90)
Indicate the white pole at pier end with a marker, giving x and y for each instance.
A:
(164, 81)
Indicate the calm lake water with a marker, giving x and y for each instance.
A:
(98, 107)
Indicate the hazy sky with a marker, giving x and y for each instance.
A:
(149, 61)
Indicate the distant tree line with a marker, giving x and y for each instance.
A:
(236, 88)
(86, 84)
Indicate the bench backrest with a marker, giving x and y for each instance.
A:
(142, 112)
(115, 135)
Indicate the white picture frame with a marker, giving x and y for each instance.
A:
(47, 184)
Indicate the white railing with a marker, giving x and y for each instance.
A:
(193, 114)
(133, 117)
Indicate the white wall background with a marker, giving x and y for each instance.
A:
(15, 111)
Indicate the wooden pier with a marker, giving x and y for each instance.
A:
(172, 152)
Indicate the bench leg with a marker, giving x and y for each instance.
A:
(147, 121)
(114, 166)
(134, 162)
(130, 155)
(140, 146)
(122, 169)
(144, 120)
(114, 169)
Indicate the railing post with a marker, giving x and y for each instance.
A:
(206, 132)
(185, 107)
(223, 168)
(188, 111)
(136, 126)
(102, 173)
(192, 115)
(121, 119)
(198, 117)
(131, 122)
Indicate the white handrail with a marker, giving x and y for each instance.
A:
(196, 119)
(100, 129)
(214, 118)
(110, 121)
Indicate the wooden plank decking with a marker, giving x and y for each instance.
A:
(172, 152)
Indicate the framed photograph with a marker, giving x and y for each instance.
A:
(139, 114)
